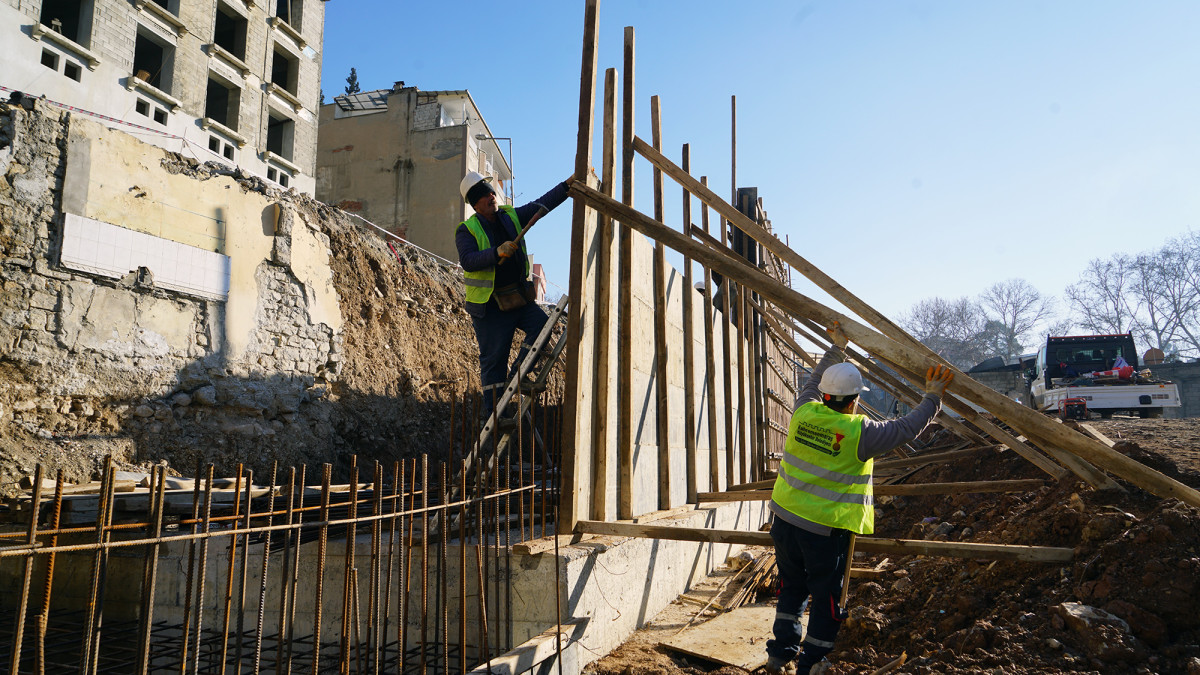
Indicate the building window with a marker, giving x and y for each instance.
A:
(290, 11)
(50, 59)
(222, 102)
(230, 31)
(281, 132)
(285, 70)
(73, 70)
(70, 18)
(278, 176)
(221, 147)
(148, 109)
(153, 60)
(171, 6)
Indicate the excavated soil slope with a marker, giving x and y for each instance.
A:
(1137, 558)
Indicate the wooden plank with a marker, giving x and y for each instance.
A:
(669, 513)
(710, 367)
(1013, 413)
(661, 304)
(900, 489)
(689, 350)
(1021, 418)
(1096, 434)
(743, 411)
(933, 458)
(538, 649)
(574, 496)
(602, 316)
(625, 297)
(949, 549)
(734, 638)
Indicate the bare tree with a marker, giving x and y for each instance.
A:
(1101, 298)
(952, 328)
(1017, 308)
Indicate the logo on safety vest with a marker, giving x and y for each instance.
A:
(837, 442)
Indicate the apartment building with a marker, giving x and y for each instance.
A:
(236, 81)
(396, 156)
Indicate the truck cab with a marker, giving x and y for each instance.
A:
(1087, 367)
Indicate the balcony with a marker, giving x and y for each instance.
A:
(39, 31)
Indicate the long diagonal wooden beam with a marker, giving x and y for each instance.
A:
(1079, 466)
(899, 489)
(951, 549)
(902, 354)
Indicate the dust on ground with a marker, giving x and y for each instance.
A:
(1136, 558)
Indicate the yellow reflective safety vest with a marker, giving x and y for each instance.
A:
(480, 284)
(821, 478)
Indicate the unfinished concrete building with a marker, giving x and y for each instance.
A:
(395, 157)
(233, 81)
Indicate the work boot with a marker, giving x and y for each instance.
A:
(778, 665)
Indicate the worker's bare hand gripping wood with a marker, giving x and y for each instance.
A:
(823, 498)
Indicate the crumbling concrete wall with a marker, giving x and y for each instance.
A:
(137, 368)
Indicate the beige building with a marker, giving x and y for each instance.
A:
(396, 156)
(235, 81)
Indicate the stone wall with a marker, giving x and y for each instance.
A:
(1186, 376)
(120, 366)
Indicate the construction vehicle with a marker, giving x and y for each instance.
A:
(1101, 373)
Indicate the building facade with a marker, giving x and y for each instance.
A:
(396, 156)
(235, 81)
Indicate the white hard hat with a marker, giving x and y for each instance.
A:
(469, 182)
(841, 379)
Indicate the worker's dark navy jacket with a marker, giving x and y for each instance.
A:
(499, 230)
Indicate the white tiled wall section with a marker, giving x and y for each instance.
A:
(108, 250)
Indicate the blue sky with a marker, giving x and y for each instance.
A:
(909, 148)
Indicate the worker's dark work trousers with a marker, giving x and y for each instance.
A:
(494, 331)
(809, 565)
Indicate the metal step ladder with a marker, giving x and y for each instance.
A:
(539, 360)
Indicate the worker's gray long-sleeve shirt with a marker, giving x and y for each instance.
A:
(877, 437)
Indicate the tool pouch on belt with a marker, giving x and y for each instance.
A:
(510, 297)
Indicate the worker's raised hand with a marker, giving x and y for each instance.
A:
(506, 250)
(936, 379)
(837, 336)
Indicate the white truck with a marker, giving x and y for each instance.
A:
(1075, 376)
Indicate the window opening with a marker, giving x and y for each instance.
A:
(230, 31)
(160, 116)
(284, 69)
(152, 62)
(73, 71)
(50, 59)
(71, 18)
(289, 11)
(142, 107)
(280, 133)
(221, 102)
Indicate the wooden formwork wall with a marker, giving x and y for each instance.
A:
(652, 470)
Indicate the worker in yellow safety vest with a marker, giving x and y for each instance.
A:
(823, 495)
(496, 266)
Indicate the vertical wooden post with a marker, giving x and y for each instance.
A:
(743, 414)
(574, 490)
(662, 386)
(727, 352)
(625, 299)
(743, 411)
(689, 349)
(602, 315)
(710, 365)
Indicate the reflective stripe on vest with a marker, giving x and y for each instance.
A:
(480, 284)
(821, 478)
